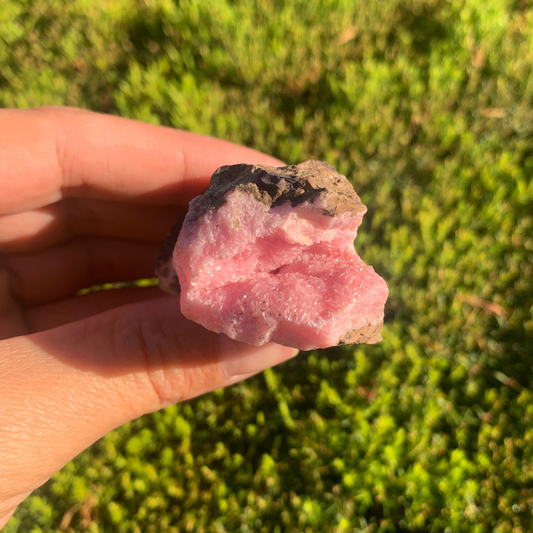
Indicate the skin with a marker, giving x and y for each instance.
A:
(85, 199)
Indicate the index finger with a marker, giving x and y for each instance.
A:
(50, 153)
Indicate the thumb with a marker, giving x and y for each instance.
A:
(62, 389)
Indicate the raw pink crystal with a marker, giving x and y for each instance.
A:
(266, 255)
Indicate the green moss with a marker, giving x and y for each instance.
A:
(427, 105)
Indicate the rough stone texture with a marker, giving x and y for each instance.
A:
(274, 186)
(168, 279)
(266, 254)
(365, 334)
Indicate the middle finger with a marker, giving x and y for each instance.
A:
(40, 228)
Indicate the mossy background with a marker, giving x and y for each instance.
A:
(427, 105)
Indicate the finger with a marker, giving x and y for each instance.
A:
(12, 319)
(47, 275)
(49, 153)
(64, 388)
(40, 228)
(58, 313)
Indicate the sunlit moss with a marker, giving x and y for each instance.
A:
(427, 105)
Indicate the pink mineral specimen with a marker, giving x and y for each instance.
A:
(266, 254)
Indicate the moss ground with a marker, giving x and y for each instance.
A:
(427, 106)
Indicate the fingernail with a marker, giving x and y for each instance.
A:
(237, 361)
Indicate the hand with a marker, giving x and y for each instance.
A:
(86, 199)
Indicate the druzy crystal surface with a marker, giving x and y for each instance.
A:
(266, 255)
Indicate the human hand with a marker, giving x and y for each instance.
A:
(87, 199)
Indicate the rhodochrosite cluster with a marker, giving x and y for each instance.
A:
(266, 254)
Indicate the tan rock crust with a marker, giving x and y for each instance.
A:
(366, 334)
(274, 186)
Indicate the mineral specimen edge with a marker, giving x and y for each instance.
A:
(266, 254)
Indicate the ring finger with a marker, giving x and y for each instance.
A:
(58, 272)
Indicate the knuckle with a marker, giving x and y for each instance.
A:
(172, 367)
(145, 341)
